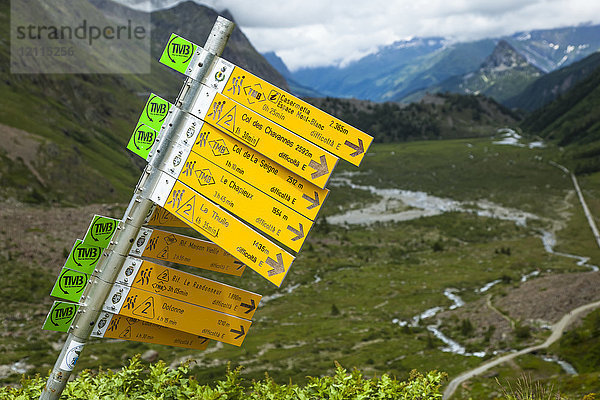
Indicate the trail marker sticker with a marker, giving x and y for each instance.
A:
(101, 231)
(186, 287)
(83, 257)
(69, 285)
(176, 314)
(155, 111)
(141, 140)
(171, 247)
(161, 217)
(178, 53)
(260, 254)
(60, 316)
(113, 326)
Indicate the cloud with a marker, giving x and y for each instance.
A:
(319, 33)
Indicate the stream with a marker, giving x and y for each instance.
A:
(402, 205)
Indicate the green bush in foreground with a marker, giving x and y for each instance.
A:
(157, 381)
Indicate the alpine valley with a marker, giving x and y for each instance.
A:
(465, 235)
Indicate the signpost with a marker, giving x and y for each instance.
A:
(185, 250)
(176, 314)
(112, 259)
(193, 289)
(259, 165)
(111, 326)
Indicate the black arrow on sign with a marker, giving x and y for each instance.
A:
(357, 149)
(239, 333)
(313, 202)
(240, 264)
(250, 307)
(298, 232)
(320, 168)
(276, 265)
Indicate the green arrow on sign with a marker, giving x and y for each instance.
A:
(70, 285)
(178, 53)
(60, 316)
(101, 231)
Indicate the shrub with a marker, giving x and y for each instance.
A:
(157, 381)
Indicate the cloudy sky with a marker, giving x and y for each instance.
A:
(322, 32)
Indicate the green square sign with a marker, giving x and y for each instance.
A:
(69, 285)
(60, 316)
(141, 140)
(101, 231)
(178, 53)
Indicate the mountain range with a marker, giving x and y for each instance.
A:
(406, 69)
(62, 131)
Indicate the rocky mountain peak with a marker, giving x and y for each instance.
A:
(504, 57)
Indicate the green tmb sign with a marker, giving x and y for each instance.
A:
(154, 112)
(141, 140)
(60, 316)
(101, 231)
(178, 53)
(83, 257)
(69, 285)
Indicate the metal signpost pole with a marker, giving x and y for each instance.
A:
(113, 258)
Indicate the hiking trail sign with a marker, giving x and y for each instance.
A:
(236, 159)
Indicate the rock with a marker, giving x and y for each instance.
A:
(150, 356)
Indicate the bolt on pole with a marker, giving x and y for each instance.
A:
(112, 259)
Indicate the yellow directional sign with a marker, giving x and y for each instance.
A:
(258, 170)
(244, 200)
(113, 326)
(282, 146)
(161, 217)
(287, 110)
(185, 250)
(176, 314)
(244, 243)
(294, 114)
(170, 282)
